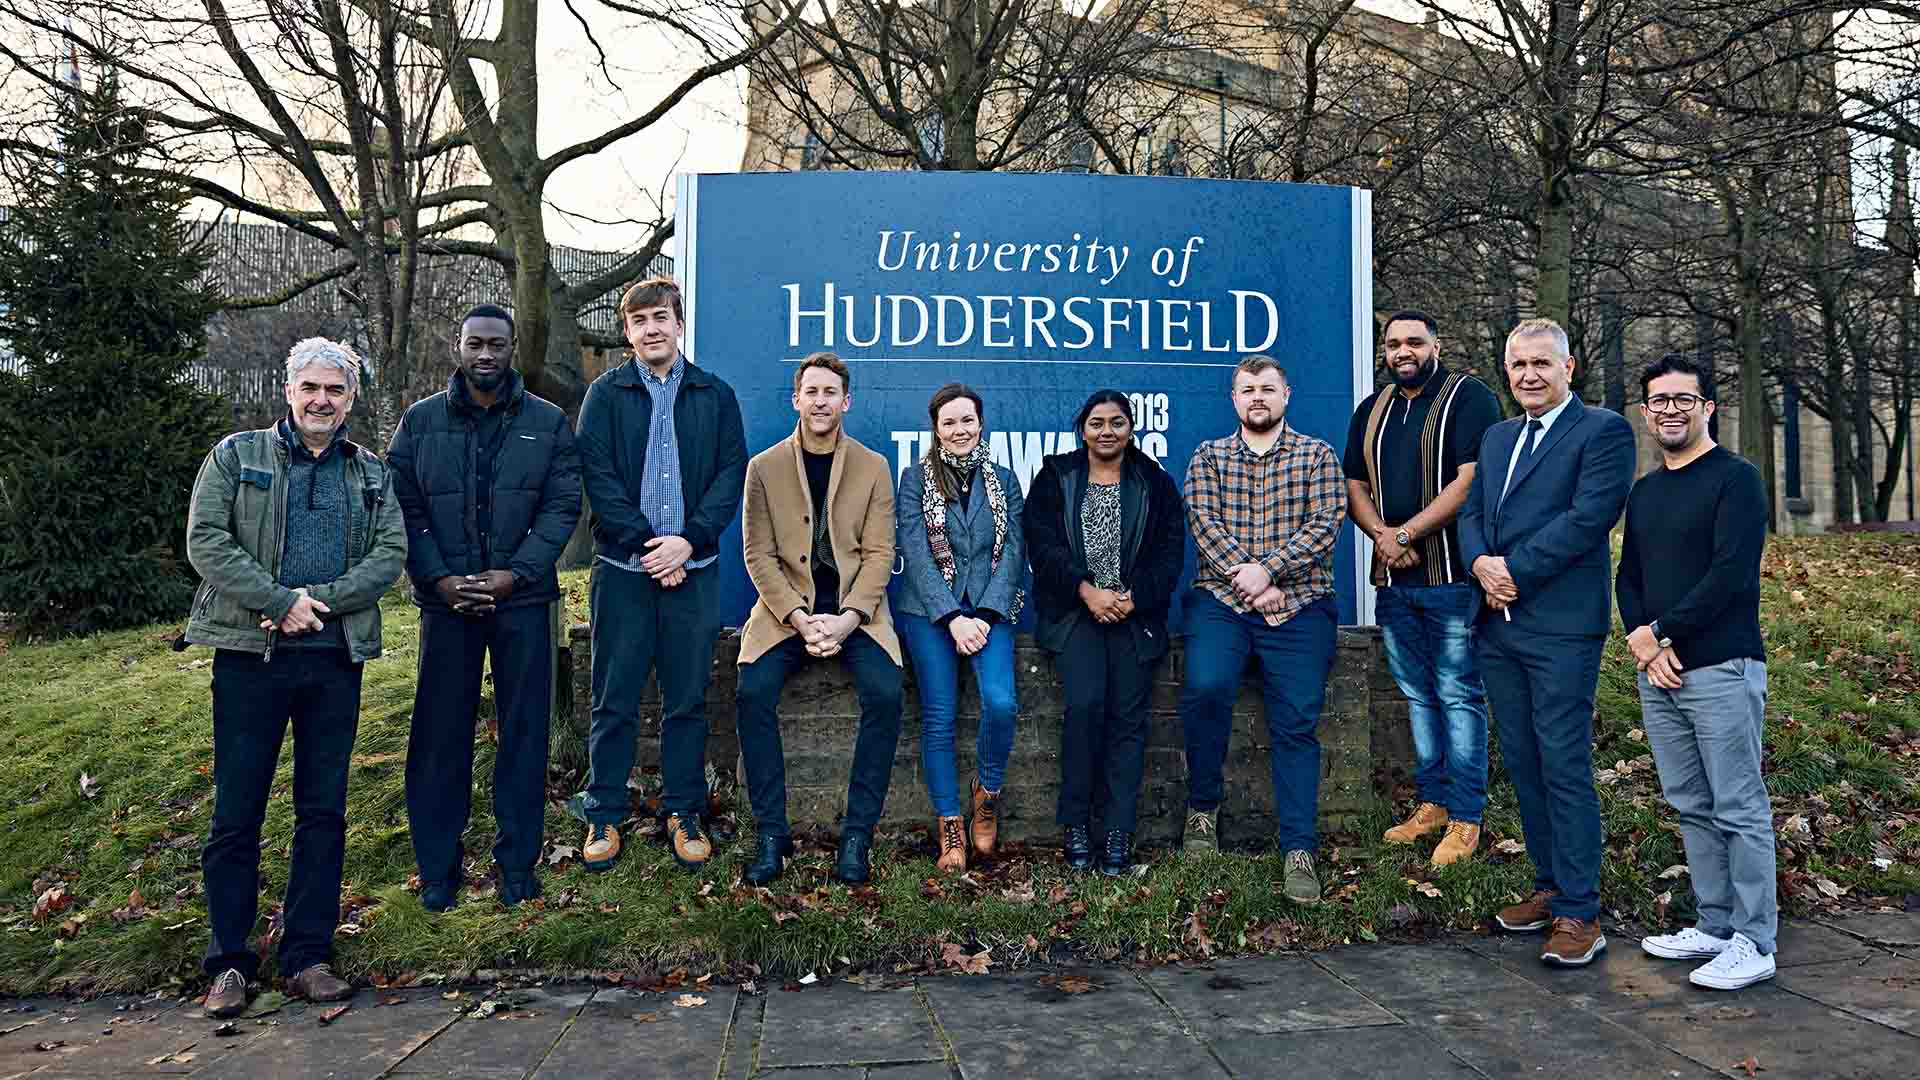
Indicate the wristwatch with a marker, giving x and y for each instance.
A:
(1403, 537)
(1659, 639)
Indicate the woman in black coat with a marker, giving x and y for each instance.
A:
(1106, 535)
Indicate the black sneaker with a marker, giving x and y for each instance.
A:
(1079, 848)
(1116, 856)
(853, 865)
(438, 896)
(770, 861)
(518, 885)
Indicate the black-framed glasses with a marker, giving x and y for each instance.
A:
(1680, 403)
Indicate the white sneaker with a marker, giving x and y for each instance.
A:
(1739, 964)
(1688, 944)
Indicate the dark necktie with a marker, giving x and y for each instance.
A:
(1530, 443)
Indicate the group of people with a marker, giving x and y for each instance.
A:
(297, 532)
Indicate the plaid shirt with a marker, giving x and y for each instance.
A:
(1282, 509)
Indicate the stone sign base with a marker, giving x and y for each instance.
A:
(1365, 747)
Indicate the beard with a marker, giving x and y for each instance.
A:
(1687, 438)
(1261, 426)
(486, 383)
(1418, 378)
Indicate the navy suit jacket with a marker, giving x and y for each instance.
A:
(1554, 523)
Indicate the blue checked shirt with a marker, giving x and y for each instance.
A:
(662, 498)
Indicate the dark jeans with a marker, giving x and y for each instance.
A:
(1541, 689)
(638, 628)
(1103, 737)
(1430, 649)
(319, 690)
(440, 744)
(1295, 659)
(877, 681)
(936, 671)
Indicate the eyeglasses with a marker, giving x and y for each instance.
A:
(1680, 403)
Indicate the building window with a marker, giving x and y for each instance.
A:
(1173, 159)
(933, 136)
(812, 152)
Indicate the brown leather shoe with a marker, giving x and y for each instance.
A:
(1461, 841)
(317, 982)
(985, 829)
(952, 846)
(1427, 817)
(1574, 942)
(1533, 913)
(691, 848)
(227, 997)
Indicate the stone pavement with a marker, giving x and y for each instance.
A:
(1845, 1004)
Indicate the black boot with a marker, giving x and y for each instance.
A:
(1079, 848)
(1117, 855)
(772, 859)
(851, 866)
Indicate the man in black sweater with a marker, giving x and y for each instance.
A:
(1689, 592)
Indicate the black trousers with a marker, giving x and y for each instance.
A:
(878, 683)
(638, 628)
(440, 744)
(318, 690)
(1103, 739)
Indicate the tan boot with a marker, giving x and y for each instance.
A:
(985, 829)
(1427, 817)
(1461, 841)
(951, 844)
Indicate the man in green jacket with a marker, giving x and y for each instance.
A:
(296, 535)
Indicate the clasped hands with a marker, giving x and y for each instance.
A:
(1663, 668)
(302, 618)
(1496, 581)
(1106, 605)
(1255, 586)
(475, 594)
(1390, 554)
(824, 634)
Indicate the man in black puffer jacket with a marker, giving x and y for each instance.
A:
(489, 481)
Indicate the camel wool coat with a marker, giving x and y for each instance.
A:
(776, 528)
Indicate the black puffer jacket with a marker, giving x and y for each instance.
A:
(1153, 534)
(535, 493)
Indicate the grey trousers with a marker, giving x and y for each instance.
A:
(1706, 746)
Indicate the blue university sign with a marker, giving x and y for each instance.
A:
(1036, 289)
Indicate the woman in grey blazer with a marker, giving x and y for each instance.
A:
(964, 567)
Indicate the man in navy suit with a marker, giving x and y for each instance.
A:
(1547, 491)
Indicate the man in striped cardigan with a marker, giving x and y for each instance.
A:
(1410, 455)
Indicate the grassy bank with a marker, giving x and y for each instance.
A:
(108, 746)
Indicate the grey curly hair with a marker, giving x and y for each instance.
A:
(333, 354)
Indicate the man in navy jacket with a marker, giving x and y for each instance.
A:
(1534, 532)
(489, 481)
(665, 456)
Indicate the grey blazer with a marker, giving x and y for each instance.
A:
(918, 587)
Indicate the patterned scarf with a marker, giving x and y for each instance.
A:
(934, 507)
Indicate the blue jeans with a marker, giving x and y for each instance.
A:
(936, 671)
(1430, 649)
(1295, 659)
(317, 693)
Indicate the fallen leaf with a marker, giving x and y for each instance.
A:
(1673, 871)
(956, 956)
(334, 1013)
(485, 1009)
(227, 1029)
(689, 1001)
(809, 979)
(264, 1005)
(646, 1018)
(1069, 984)
(1510, 847)
(1751, 1064)
(1429, 889)
(56, 1044)
(561, 854)
(89, 785)
(391, 999)
(171, 1059)
(54, 898)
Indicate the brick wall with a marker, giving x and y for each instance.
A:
(1363, 735)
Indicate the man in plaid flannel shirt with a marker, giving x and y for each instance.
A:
(1265, 505)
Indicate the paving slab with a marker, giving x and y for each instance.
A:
(1802, 942)
(1391, 973)
(1084, 1054)
(1884, 989)
(509, 1043)
(972, 1010)
(1787, 1035)
(107, 1037)
(1404, 1053)
(925, 1070)
(1519, 1032)
(1899, 930)
(619, 1029)
(840, 1025)
(1622, 977)
(365, 1041)
(1261, 996)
